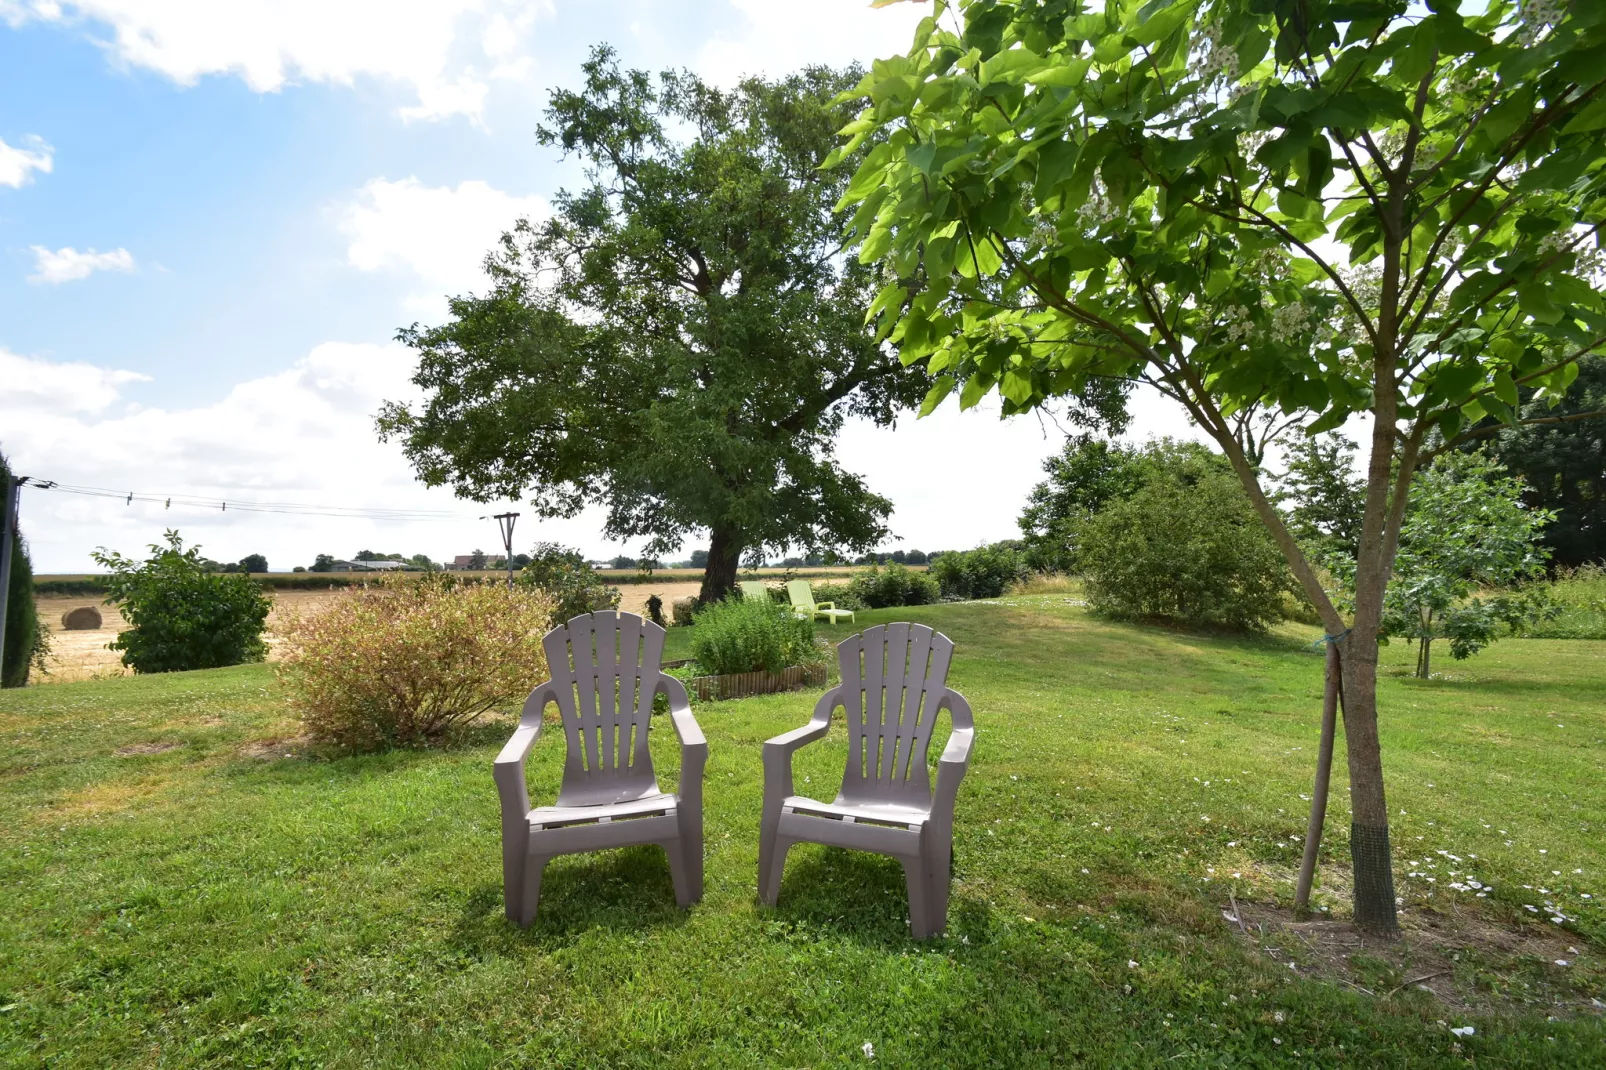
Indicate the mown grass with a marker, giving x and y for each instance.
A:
(179, 891)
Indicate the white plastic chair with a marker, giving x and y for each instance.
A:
(894, 683)
(605, 674)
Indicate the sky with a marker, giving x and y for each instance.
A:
(215, 217)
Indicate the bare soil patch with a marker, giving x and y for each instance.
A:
(1463, 961)
(136, 749)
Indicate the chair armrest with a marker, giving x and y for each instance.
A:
(693, 745)
(680, 716)
(508, 772)
(955, 760)
(825, 605)
(779, 750)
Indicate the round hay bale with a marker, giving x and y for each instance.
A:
(82, 619)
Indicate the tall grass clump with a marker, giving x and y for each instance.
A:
(737, 636)
(404, 663)
(1579, 596)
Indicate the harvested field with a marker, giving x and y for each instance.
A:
(82, 655)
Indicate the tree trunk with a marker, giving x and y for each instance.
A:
(1424, 661)
(1369, 825)
(724, 556)
(1324, 775)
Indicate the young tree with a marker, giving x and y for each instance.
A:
(476, 560)
(1322, 209)
(1326, 498)
(682, 339)
(1468, 550)
(323, 563)
(253, 563)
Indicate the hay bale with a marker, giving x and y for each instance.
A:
(82, 619)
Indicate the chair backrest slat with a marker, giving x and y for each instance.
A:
(801, 594)
(893, 677)
(605, 667)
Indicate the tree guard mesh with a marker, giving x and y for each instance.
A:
(1374, 879)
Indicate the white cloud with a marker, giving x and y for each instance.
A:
(439, 234)
(427, 45)
(775, 38)
(69, 265)
(40, 385)
(16, 163)
(303, 435)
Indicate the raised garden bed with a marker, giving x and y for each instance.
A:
(743, 684)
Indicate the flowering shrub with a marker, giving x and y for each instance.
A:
(402, 662)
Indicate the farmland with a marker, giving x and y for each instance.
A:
(82, 655)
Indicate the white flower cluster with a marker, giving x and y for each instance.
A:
(1214, 62)
(1536, 16)
(1044, 234)
(1271, 263)
(1238, 322)
(1098, 209)
(1290, 321)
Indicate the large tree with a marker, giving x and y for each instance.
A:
(1563, 466)
(1323, 208)
(682, 339)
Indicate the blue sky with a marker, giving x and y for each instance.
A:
(213, 218)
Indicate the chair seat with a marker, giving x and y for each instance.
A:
(911, 817)
(647, 806)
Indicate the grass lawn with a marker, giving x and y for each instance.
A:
(180, 889)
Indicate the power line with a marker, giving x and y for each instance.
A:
(224, 505)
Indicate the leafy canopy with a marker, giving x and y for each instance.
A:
(683, 338)
(1323, 208)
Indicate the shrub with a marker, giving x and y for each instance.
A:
(739, 636)
(655, 609)
(683, 611)
(985, 572)
(180, 615)
(402, 662)
(1191, 553)
(879, 588)
(573, 586)
(841, 595)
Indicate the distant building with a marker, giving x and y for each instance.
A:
(369, 566)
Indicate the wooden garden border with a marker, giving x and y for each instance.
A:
(743, 684)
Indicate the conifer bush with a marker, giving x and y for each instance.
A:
(404, 662)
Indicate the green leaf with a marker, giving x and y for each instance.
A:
(1504, 388)
(976, 388)
(940, 389)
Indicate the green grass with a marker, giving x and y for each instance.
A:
(227, 902)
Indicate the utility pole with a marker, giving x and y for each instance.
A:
(505, 522)
(11, 494)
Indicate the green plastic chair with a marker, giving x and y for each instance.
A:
(754, 591)
(805, 607)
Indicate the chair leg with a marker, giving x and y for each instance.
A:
(938, 874)
(529, 897)
(768, 828)
(915, 876)
(771, 868)
(692, 848)
(679, 873)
